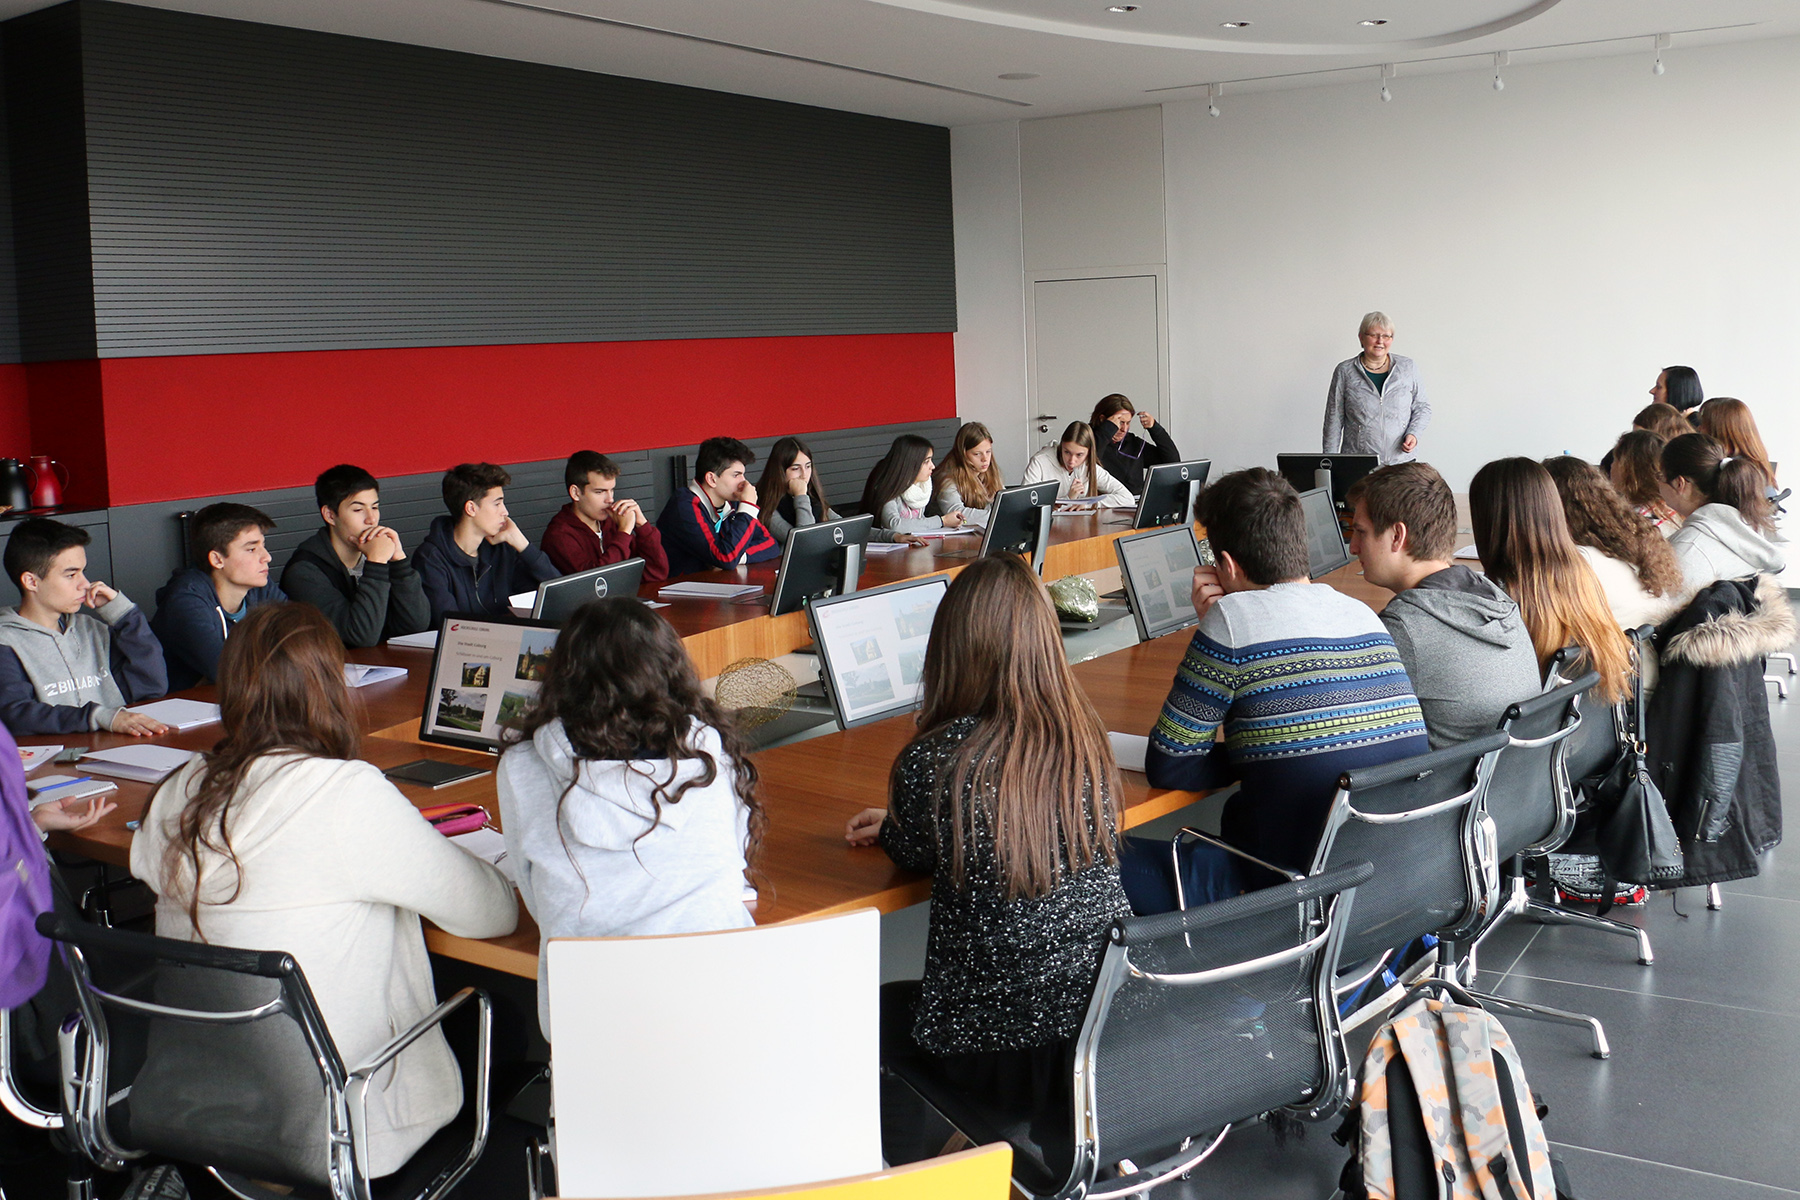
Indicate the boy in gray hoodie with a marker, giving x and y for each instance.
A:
(1461, 637)
(63, 670)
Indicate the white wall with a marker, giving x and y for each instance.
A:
(1091, 190)
(1543, 251)
(990, 286)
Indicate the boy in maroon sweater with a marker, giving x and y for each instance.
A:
(595, 528)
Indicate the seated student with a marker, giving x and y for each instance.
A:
(793, 498)
(63, 670)
(970, 475)
(1522, 539)
(1634, 564)
(1008, 797)
(1727, 523)
(1729, 422)
(1125, 454)
(354, 570)
(899, 489)
(1636, 475)
(714, 524)
(1664, 420)
(597, 527)
(1465, 647)
(199, 606)
(472, 560)
(282, 839)
(627, 798)
(1305, 680)
(1075, 469)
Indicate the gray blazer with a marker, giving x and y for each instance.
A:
(1358, 420)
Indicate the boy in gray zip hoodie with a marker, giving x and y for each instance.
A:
(63, 670)
(1461, 637)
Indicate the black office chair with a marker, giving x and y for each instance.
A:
(1199, 1019)
(219, 1057)
(1527, 809)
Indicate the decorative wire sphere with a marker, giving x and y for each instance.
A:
(756, 690)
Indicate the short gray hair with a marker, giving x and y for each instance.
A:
(1374, 320)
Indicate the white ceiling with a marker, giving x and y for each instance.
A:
(940, 61)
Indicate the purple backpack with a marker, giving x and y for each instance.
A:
(24, 885)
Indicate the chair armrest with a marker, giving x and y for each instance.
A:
(11, 1098)
(430, 1020)
(1188, 831)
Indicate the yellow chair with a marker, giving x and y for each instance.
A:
(983, 1173)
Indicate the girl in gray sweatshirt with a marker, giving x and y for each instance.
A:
(627, 800)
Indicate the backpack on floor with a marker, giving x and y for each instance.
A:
(1445, 1113)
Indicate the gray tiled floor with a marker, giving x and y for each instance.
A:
(1698, 1099)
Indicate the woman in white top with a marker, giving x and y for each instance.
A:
(1727, 526)
(299, 846)
(1633, 562)
(1076, 470)
(628, 801)
(899, 489)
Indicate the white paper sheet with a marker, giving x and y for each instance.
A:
(178, 713)
(363, 674)
(1130, 749)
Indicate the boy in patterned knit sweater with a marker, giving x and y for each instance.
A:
(1305, 680)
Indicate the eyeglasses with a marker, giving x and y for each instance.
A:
(1379, 337)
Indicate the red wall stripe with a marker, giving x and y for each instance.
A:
(15, 412)
(197, 425)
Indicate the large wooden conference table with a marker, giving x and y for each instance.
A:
(809, 788)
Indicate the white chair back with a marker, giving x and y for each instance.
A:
(716, 1062)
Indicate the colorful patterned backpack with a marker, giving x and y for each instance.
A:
(1445, 1113)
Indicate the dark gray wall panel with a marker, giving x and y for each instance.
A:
(146, 545)
(9, 303)
(53, 265)
(261, 188)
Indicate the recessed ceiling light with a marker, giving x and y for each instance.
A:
(1235, 24)
(1383, 21)
(1121, 8)
(1018, 75)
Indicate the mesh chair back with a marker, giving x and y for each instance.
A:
(1527, 795)
(201, 1053)
(1411, 819)
(1214, 1015)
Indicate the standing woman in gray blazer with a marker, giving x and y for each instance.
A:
(1376, 405)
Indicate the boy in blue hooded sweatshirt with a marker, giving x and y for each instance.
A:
(199, 606)
(63, 670)
(477, 556)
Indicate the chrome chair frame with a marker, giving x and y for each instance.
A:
(86, 1050)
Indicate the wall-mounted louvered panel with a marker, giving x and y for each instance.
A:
(261, 188)
(9, 304)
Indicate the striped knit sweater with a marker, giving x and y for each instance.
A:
(1308, 685)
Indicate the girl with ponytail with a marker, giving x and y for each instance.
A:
(1728, 528)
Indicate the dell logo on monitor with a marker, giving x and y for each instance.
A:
(837, 535)
(600, 587)
(1034, 497)
(1184, 474)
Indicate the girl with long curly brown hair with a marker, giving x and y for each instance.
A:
(628, 798)
(1522, 539)
(1633, 562)
(280, 839)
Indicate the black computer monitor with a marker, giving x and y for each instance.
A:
(1018, 522)
(1325, 549)
(1170, 490)
(485, 673)
(820, 560)
(1158, 569)
(1335, 471)
(872, 647)
(557, 599)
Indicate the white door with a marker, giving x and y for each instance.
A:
(1091, 338)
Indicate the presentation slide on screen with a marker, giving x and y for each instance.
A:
(488, 674)
(875, 648)
(1162, 575)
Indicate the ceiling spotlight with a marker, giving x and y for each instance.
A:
(1014, 75)
(1212, 98)
(1372, 24)
(1662, 43)
(1234, 24)
(1501, 59)
(1387, 73)
(1121, 8)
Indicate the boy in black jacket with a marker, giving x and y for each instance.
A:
(354, 570)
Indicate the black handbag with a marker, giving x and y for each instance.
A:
(1633, 835)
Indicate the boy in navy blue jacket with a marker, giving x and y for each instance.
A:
(714, 523)
(200, 605)
(476, 557)
(63, 670)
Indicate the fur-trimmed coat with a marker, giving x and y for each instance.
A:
(1711, 750)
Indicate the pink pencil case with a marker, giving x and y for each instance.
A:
(452, 819)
